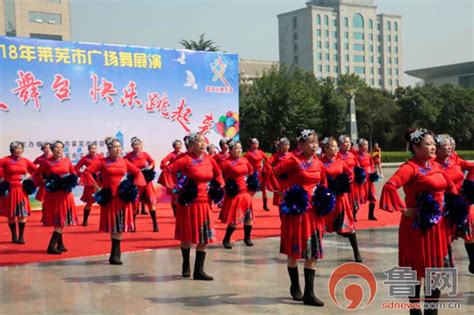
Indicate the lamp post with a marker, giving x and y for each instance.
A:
(351, 120)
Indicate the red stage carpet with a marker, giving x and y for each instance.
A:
(87, 241)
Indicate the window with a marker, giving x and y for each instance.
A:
(295, 36)
(372, 70)
(380, 82)
(10, 18)
(372, 81)
(371, 36)
(371, 59)
(389, 60)
(328, 68)
(346, 46)
(390, 82)
(335, 58)
(334, 22)
(327, 56)
(295, 22)
(42, 17)
(396, 61)
(295, 47)
(371, 24)
(336, 69)
(396, 50)
(379, 49)
(295, 59)
(46, 36)
(346, 34)
(358, 36)
(395, 71)
(358, 47)
(396, 38)
(379, 59)
(389, 49)
(358, 21)
(390, 71)
(334, 34)
(379, 37)
(320, 68)
(359, 70)
(397, 83)
(359, 58)
(318, 33)
(334, 45)
(347, 57)
(320, 56)
(395, 27)
(318, 19)
(347, 69)
(380, 71)
(389, 38)
(318, 44)
(389, 26)
(346, 22)
(326, 45)
(371, 47)
(378, 26)
(326, 20)
(326, 33)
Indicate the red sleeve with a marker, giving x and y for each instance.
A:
(165, 161)
(216, 171)
(151, 162)
(323, 180)
(249, 167)
(466, 165)
(169, 173)
(86, 178)
(79, 165)
(264, 156)
(72, 170)
(38, 174)
(36, 161)
(390, 199)
(349, 171)
(286, 166)
(139, 180)
(1, 167)
(31, 167)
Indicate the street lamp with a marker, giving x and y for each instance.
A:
(351, 120)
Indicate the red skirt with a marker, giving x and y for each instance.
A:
(116, 216)
(193, 223)
(237, 209)
(366, 192)
(420, 249)
(88, 194)
(15, 204)
(276, 199)
(302, 235)
(353, 196)
(40, 193)
(59, 209)
(341, 220)
(467, 230)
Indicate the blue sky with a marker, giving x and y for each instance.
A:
(434, 32)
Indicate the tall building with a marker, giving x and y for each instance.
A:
(333, 37)
(460, 74)
(47, 19)
(251, 70)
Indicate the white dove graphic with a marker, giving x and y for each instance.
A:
(190, 80)
(182, 59)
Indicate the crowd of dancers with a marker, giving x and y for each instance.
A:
(316, 194)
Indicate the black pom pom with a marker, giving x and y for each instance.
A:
(215, 191)
(295, 201)
(374, 177)
(467, 190)
(149, 175)
(188, 193)
(323, 201)
(4, 188)
(340, 184)
(29, 186)
(103, 196)
(53, 183)
(127, 191)
(231, 188)
(252, 182)
(359, 175)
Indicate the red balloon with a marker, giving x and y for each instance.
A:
(220, 127)
(229, 114)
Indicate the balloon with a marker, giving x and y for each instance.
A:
(229, 114)
(231, 132)
(222, 118)
(229, 122)
(236, 116)
(236, 126)
(219, 128)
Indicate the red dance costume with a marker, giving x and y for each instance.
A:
(418, 248)
(301, 235)
(16, 203)
(193, 222)
(88, 193)
(142, 160)
(351, 162)
(341, 219)
(366, 191)
(168, 160)
(237, 209)
(116, 216)
(275, 160)
(221, 158)
(59, 209)
(455, 167)
(40, 193)
(257, 159)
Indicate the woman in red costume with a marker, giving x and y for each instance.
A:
(278, 157)
(168, 160)
(144, 162)
(116, 211)
(59, 209)
(424, 183)
(237, 205)
(340, 220)
(455, 167)
(46, 148)
(347, 156)
(193, 220)
(88, 193)
(366, 190)
(16, 203)
(301, 234)
(257, 159)
(222, 156)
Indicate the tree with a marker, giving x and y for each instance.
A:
(202, 44)
(333, 109)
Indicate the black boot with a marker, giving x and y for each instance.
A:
(144, 209)
(470, 254)
(247, 232)
(12, 227)
(61, 246)
(371, 212)
(153, 219)
(174, 210)
(114, 258)
(354, 214)
(414, 300)
(355, 247)
(309, 298)
(228, 234)
(433, 298)
(86, 217)
(186, 269)
(265, 204)
(52, 244)
(199, 273)
(21, 232)
(295, 289)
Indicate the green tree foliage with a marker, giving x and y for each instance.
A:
(201, 44)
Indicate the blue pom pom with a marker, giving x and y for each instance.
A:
(29, 186)
(4, 188)
(323, 201)
(103, 196)
(340, 184)
(188, 192)
(215, 191)
(149, 175)
(295, 201)
(467, 190)
(374, 177)
(127, 191)
(429, 212)
(359, 175)
(231, 188)
(252, 182)
(457, 210)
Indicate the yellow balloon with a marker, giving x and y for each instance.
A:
(231, 132)
(236, 116)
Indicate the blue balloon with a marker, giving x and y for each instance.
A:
(229, 122)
